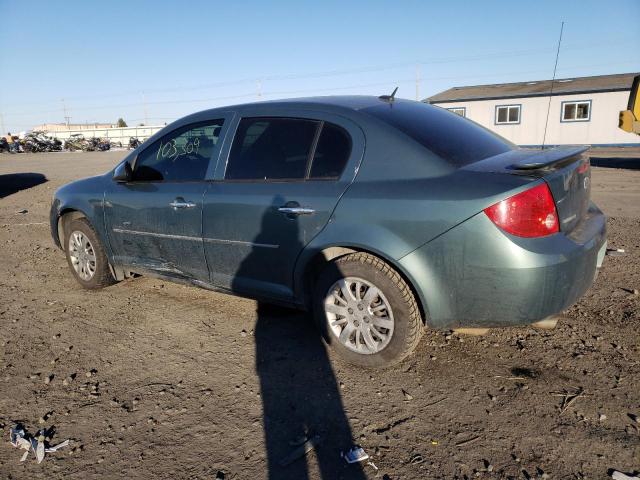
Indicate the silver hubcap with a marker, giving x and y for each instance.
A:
(359, 315)
(83, 257)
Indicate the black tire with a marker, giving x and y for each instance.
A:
(408, 325)
(102, 276)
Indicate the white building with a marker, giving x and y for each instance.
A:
(63, 127)
(582, 110)
(113, 134)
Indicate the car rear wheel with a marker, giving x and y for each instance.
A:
(86, 255)
(366, 311)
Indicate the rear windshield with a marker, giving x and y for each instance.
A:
(448, 135)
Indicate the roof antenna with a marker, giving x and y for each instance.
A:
(546, 122)
(389, 98)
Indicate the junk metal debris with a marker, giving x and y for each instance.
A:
(301, 451)
(615, 252)
(37, 443)
(568, 398)
(355, 454)
(36, 141)
(621, 476)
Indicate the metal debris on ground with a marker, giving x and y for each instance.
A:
(37, 443)
(615, 252)
(621, 476)
(355, 454)
(468, 441)
(407, 396)
(568, 398)
(301, 451)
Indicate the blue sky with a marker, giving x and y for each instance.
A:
(159, 60)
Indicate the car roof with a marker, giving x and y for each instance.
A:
(351, 102)
(336, 103)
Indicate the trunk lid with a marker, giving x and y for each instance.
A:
(566, 170)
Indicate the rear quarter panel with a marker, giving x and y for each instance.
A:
(478, 275)
(403, 195)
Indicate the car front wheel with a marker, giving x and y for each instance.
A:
(366, 311)
(86, 255)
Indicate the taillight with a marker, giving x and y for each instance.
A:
(584, 166)
(531, 213)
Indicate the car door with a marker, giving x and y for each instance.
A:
(276, 191)
(154, 221)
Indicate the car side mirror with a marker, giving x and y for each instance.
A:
(123, 173)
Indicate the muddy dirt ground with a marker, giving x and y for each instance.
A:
(155, 380)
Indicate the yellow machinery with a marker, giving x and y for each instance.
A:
(630, 118)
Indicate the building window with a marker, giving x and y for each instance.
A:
(462, 111)
(579, 111)
(506, 114)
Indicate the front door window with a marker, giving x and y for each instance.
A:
(183, 155)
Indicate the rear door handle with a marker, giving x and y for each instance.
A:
(297, 210)
(181, 203)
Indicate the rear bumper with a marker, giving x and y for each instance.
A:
(477, 275)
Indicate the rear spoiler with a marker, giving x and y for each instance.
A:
(548, 160)
(523, 161)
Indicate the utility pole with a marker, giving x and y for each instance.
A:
(1, 124)
(144, 103)
(418, 82)
(64, 109)
(259, 88)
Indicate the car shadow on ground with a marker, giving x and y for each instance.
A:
(300, 396)
(14, 182)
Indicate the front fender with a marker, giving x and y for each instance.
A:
(85, 197)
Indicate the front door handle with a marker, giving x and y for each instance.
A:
(181, 203)
(297, 210)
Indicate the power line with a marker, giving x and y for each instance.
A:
(389, 83)
(295, 92)
(355, 70)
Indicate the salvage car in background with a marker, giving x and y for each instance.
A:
(383, 216)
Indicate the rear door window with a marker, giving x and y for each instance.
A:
(271, 149)
(288, 149)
